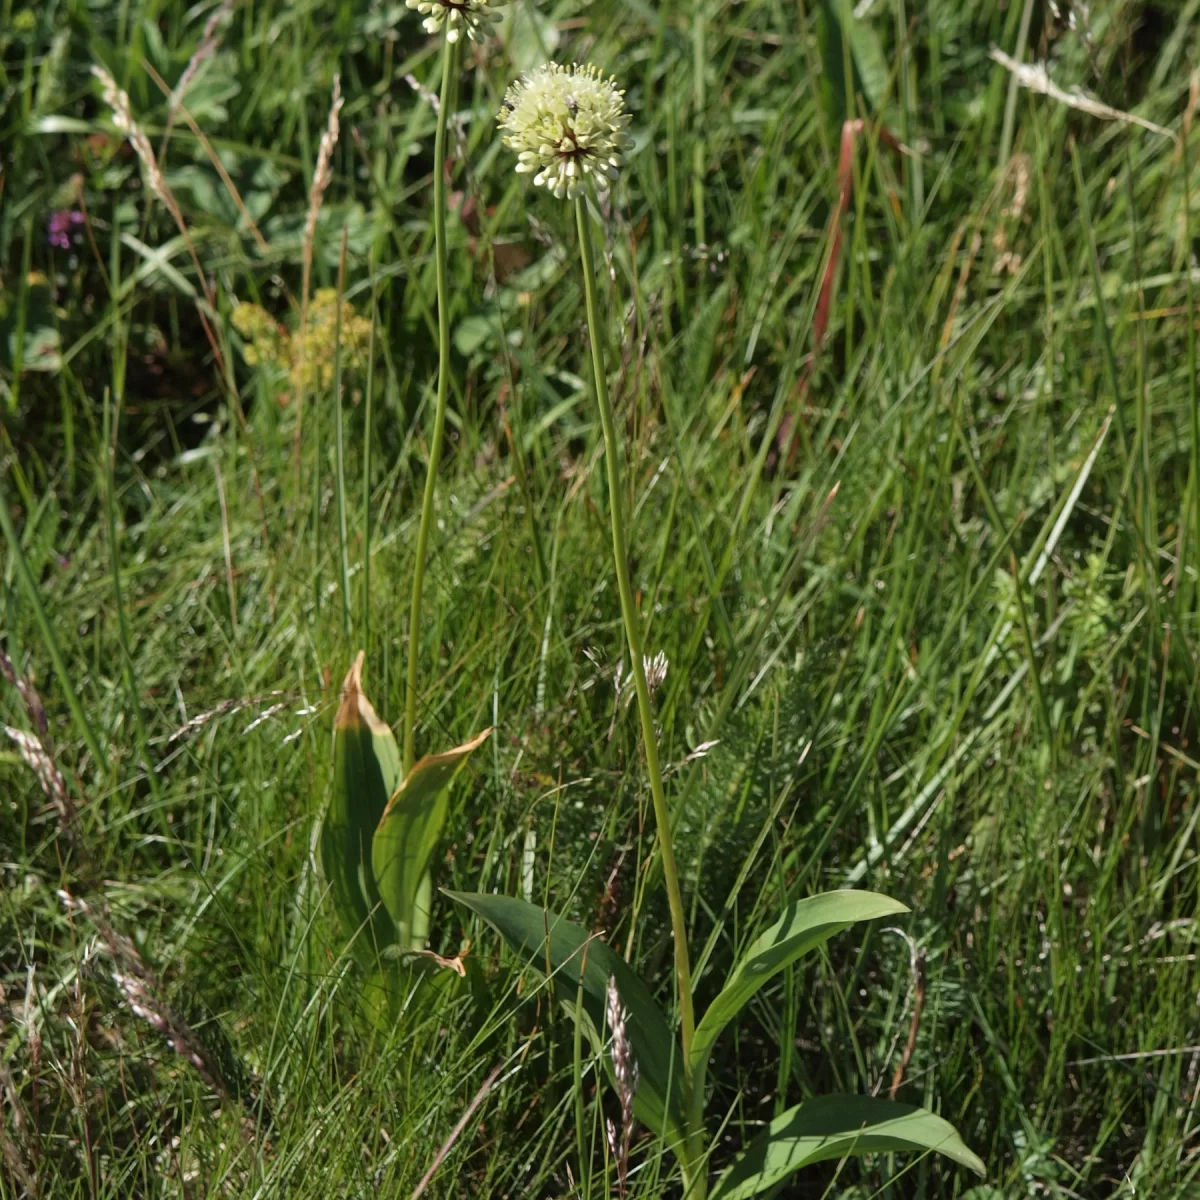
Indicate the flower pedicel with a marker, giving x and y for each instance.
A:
(568, 125)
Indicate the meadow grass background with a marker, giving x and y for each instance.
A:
(896, 687)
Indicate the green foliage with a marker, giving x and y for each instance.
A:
(847, 39)
(366, 771)
(407, 834)
(837, 1127)
(874, 719)
(803, 926)
(379, 832)
(560, 948)
(822, 1128)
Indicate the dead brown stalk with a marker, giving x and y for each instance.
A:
(851, 131)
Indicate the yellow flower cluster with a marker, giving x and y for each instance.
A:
(306, 356)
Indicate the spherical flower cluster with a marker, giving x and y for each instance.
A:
(568, 126)
(475, 16)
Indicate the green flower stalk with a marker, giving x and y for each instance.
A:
(570, 130)
(569, 127)
(476, 17)
(443, 395)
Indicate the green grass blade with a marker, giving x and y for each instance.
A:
(80, 717)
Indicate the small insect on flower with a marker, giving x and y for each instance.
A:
(475, 16)
(568, 125)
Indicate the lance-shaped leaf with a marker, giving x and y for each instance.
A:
(366, 770)
(802, 927)
(837, 1127)
(409, 828)
(549, 942)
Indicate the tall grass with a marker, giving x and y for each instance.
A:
(859, 688)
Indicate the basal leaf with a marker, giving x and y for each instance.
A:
(837, 1127)
(802, 927)
(409, 827)
(366, 764)
(547, 941)
(422, 910)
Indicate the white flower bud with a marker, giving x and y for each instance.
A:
(476, 17)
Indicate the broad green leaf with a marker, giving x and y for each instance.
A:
(408, 979)
(408, 830)
(837, 1127)
(868, 65)
(802, 927)
(549, 942)
(422, 910)
(366, 767)
(531, 37)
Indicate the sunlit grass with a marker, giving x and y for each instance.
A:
(859, 687)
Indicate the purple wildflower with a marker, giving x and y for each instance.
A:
(60, 226)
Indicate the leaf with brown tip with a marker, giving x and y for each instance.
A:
(366, 770)
(409, 828)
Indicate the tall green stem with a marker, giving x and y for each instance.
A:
(368, 434)
(338, 439)
(695, 1184)
(699, 150)
(439, 416)
(633, 634)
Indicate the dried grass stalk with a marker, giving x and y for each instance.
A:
(625, 1075)
(142, 991)
(117, 100)
(35, 756)
(28, 693)
(210, 43)
(1036, 78)
(15, 1153)
(322, 178)
(36, 749)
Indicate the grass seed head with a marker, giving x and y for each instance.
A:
(475, 17)
(323, 171)
(117, 100)
(568, 125)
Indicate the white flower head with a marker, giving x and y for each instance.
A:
(476, 17)
(568, 125)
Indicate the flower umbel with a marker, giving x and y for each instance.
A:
(475, 16)
(568, 126)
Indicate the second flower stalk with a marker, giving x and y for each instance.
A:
(449, 56)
